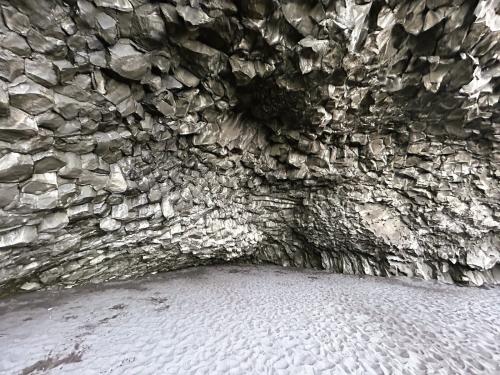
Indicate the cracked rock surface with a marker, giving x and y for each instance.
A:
(140, 136)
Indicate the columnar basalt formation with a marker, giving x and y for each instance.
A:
(140, 136)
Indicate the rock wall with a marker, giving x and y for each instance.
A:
(141, 136)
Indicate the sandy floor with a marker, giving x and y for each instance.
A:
(253, 320)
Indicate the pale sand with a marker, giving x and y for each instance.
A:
(253, 320)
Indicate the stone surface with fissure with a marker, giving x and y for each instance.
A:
(354, 136)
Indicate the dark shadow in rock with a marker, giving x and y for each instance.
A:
(107, 319)
(158, 300)
(50, 362)
(238, 270)
(119, 306)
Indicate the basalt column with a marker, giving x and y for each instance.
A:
(143, 136)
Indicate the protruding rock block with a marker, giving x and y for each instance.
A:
(15, 167)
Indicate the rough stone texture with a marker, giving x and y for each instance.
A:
(359, 137)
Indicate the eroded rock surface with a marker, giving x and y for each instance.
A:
(140, 136)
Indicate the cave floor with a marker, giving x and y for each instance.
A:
(253, 320)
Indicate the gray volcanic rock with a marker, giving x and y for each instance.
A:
(11, 66)
(4, 101)
(148, 24)
(193, 16)
(358, 137)
(127, 61)
(41, 71)
(15, 43)
(106, 27)
(19, 125)
(15, 167)
(16, 21)
(54, 222)
(31, 97)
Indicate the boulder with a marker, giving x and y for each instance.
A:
(15, 43)
(43, 201)
(67, 107)
(54, 222)
(50, 120)
(109, 225)
(148, 24)
(120, 211)
(48, 161)
(167, 209)
(31, 97)
(15, 20)
(185, 77)
(11, 66)
(127, 61)
(4, 101)
(15, 167)
(73, 167)
(40, 183)
(46, 44)
(205, 59)
(116, 182)
(8, 194)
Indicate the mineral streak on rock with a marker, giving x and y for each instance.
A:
(138, 136)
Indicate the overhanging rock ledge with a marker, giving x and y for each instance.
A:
(141, 136)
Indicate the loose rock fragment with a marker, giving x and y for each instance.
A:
(106, 27)
(54, 222)
(11, 66)
(41, 71)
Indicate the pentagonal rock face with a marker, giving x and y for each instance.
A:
(106, 27)
(127, 61)
(205, 59)
(15, 167)
(15, 43)
(15, 20)
(54, 222)
(11, 66)
(109, 225)
(48, 161)
(41, 71)
(8, 193)
(18, 126)
(40, 183)
(148, 24)
(45, 44)
(117, 182)
(31, 97)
